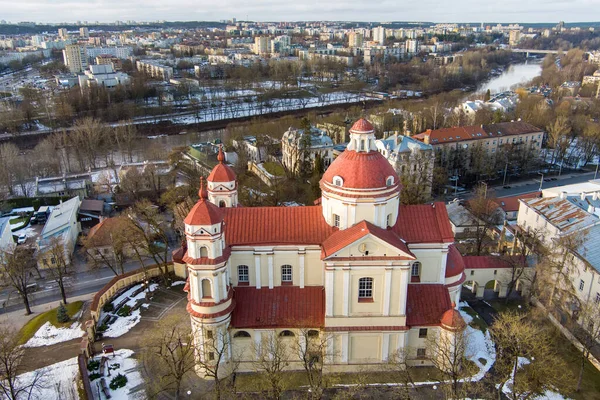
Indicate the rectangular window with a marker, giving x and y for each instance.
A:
(211, 356)
(365, 289)
(243, 276)
(472, 273)
(416, 269)
(286, 274)
(421, 353)
(581, 285)
(495, 271)
(336, 220)
(209, 334)
(422, 333)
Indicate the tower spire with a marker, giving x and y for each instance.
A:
(221, 156)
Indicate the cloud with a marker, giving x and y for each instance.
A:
(275, 10)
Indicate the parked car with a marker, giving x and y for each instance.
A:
(22, 238)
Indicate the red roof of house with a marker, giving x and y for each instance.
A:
(511, 203)
(460, 133)
(275, 225)
(361, 170)
(100, 234)
(282, 306)
(455, 264)
(362, 126)
(341, 239)
(424, 223)
(488, 262)
(426, 303)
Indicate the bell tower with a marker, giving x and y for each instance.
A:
(222, 184)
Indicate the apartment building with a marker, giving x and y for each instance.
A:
(321, 145)
(103, 75)
(355, 39)
(155, 69)
(262, 45)
(75, 58)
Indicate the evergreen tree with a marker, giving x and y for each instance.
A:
(61, 314)
(488, 95)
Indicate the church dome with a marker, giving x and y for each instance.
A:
(455, 264)
(452, 320)
(362, 126)
(204, 212)
(221, 172)
(361, 170)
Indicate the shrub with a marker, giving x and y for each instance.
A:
(93, 365)
(61, 314)
(95, 375)
(108, 307)
(118, 381)
(124, 311)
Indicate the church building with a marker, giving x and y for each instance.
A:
(373, 277)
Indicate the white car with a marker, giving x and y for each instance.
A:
(22, 238)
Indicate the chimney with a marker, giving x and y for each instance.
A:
(596, 195)
(563, 195)
(591, 209)
(582, 196)
(426, 139)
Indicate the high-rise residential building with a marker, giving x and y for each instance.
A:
(261, 45)
(63, 33)
(84, 32)
(355, 39)
(412, 46)
(378, 34)
(75, 58)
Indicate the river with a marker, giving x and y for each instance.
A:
(514, 74)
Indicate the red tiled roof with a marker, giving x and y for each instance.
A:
(488, 262)
(282, 306)
(452, 320)
(205, 260)
(341, 239)
(361, 170)
(275, 225)
(460, 133)
(204, 213)
(511, 203)
(221, 173)
(423, 223)
(455, 264)
(362, 126)
(426, 304)
(100, 234)
(92, 205)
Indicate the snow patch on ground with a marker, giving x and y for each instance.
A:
(58, 381)
(48, 335)
(128, 366)
(177, 283)
(478, 346)
(548, 394)
(124, 324)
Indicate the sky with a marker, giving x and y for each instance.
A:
(504, 11)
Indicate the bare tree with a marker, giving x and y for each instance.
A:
(168, 355)
(527, 362)
(272, 358)
(110, 246)
(314, 349)
(587, 331)
(11, 366)
(57, 263)
(484, 211)
(17, 268)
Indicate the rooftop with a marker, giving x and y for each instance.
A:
(562, 214)
(60, 217)
(461, 133)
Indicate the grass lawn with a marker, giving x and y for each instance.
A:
(36, 322)
(500, 305)
(478, 322)
(23, 221)
(274, 168)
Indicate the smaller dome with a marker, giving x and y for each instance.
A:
(362, 126)
(455, 264)
(204, 212)
(221, 172)
(452, 320)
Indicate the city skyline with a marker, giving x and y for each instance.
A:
(460, 11)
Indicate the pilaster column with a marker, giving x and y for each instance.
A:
(346, 288)
(257, 270)
(215, 287)
(257, 342)
(403, 289)
(329, 293)
(385, 347)
(387, 293)
(224, 282)
(345, 349)
(270, 267)
(301, 271)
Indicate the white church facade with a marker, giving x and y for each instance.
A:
(373, 277)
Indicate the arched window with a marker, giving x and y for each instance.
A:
(222, 204)
(389, 181)
(286, 333)
(206, 289)
(241, 334)
(365, 289)
(286, 275)
(203, 251)
(389, 220)
(243, 275)
(416, 269)
(338, 181)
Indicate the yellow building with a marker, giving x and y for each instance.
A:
(361, 274)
